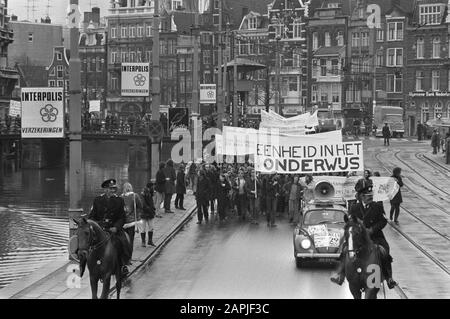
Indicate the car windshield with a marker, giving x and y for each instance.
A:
(324, 216)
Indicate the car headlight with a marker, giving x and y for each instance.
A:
(305, 243)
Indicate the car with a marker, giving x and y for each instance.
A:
(319, 232)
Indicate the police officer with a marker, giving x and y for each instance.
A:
(108, 210)
(372, 216)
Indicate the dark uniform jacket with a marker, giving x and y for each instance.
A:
(170, 173)
(372, 217)
(108, 212)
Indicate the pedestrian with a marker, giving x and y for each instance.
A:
(356, 127)
(213, 178)
(180, 188)
(160, 188)
(223, 198)
(146, 224)
(435, 141)
(294, 200)
(170, 189)
(133, 209)
(201, 193)
(273, 194)
(108, 210)
(419, 131)
(386, 134)
(250, 190)
(363, 183)
(397, 200)
(240, 187)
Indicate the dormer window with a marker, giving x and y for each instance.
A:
(430, 14)
(252, 23)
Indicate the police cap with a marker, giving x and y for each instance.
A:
(109, 183)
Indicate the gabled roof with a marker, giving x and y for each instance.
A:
(329, 51)
(32, 75)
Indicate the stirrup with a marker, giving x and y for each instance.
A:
(391, 283)
(338, 279)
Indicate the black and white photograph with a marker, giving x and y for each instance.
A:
(225, 156)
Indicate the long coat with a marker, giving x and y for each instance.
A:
(108, 212)
(202, 191)
(181, 183)
(171, 177)
(398, 197)
(148, 206)
(160, 186)
(373, 218)
(435, 140)
(386, 132)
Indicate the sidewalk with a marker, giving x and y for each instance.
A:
(60, 279)
(438, 158)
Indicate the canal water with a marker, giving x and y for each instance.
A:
(34, 204)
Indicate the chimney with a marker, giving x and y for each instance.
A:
(95, 17)
(244, 11)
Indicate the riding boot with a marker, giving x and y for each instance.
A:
(387, 266)
(143, 239)
(150, 239)
(339, 277)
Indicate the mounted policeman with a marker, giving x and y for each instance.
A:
(108, 210)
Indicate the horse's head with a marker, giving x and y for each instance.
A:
(86, 237)
(356, 237)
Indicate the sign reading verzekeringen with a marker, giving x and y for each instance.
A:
(207, 93)
(135, 79)
(42, 113)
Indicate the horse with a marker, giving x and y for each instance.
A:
(362, 261)
(97, 250)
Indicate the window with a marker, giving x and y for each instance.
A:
(395, 57)
(206, 38)
(182, 64)
(435, 83)
(314, 93)
(315, 42)
(394, 83)
(114, 83)
(252, 23)
(380, 59)
(114, 57)
(355, 65)
(30, 37)
(52, 72)
(419, 80)
(98, 65)
(380, 35)
(296, 60)
(148, 30)
(60, 71)
(148, 56)
(51, 83)
(349, 92)
(335, 67)
(364, 39)
(113, 32)
(251, 48)
(436, 47)
(176, 4)
(279, 30)
(206, 57)
(216, 4)
(297, 27)
(132, 32)
(437, 109)
(335, 93)
(355, 39)
(395, 31)
(140, 31)
(123, 32)
(430, 14)
(366, 66)
(327, 39)
(420, 44)
(132, 56)
(323, 67)
(293, 84)
(124, 56)
(59, 56)
(340, 38)
(60, 83)
(188, 64)
(182, 86)
(162, 47)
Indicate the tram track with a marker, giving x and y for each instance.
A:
(435, 231)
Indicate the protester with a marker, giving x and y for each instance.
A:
(223, 191)
(240, 187)
(160, 188)
(397, 200)
(180, 188)
(435, 141)
(133, 209)
(145, 225)
(171, 177)
(250, 186)
(294, 200)
(201, 192)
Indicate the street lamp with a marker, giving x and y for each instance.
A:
(277, 74)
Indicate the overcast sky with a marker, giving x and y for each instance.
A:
(58, 8)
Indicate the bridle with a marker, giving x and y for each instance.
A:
(92, 238)
(350, 250)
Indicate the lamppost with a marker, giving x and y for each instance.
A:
(156, 88)
(277, 74)
(75, 174)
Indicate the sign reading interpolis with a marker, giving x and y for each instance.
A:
(207, 93)
(42, 113)
(135, 79)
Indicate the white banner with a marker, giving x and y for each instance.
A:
(135, 79)
(384, 188)
(207, 93)
(308, 154)
(297, 125)
(243, 141)
(94, 106)
(42, 113)
(15, 108)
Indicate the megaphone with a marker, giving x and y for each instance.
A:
(324, 190)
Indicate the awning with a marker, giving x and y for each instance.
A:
(9, 75)
(245, 65)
